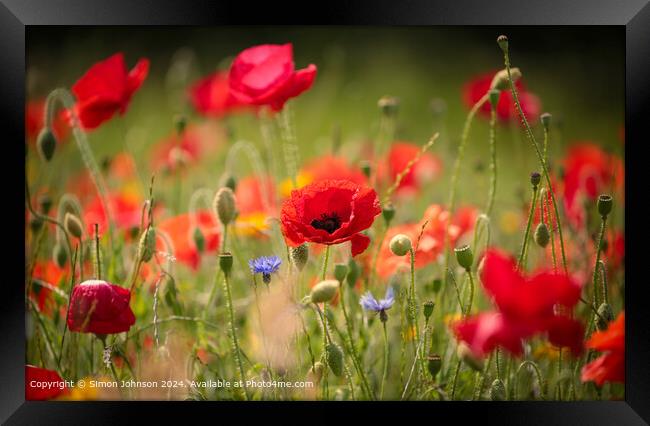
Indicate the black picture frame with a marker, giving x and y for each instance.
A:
(632, 15)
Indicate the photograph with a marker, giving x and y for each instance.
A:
(325, 213)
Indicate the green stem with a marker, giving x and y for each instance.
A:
(468, 307)
(233, 334)
(327, 257)
(383, 376)
(455, 380)
(493, 164)
(524, 246)
(603, 274)
(603, 224)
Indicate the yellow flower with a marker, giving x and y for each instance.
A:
(509, 222)
(452, 318)
(89, 392)
(252, 224)
(548, 351)
(302, 179)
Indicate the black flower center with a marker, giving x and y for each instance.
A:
(327, 222)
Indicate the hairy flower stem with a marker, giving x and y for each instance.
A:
(455, 174)
(480, 382)
(413, 311)
(326, 339)
(524, 246)
(455, 380)
(233, 334)
(538, 374)
(599, 247)
(493, 163)
(603, 276)
(327, 258)
(541, 159)
(385, 372)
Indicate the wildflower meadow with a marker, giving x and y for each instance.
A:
(296, 218)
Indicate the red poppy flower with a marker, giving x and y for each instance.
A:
(107, 88)
(526, 307)
(588, 172)
(99, 307)
(427, 168)
(266, 75)
(476, 88)
(330, 212)
(211, 95)
(42, 384)
(609, 367)
(126, 208)
(180, 230)
(35, 120)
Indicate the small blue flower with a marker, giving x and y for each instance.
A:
(369, 302)
(265, 265)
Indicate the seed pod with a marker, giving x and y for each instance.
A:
(493, 97)
(388, 212)
(428, 309)
(604, 204)
(498, 390)
(72, 225)
(324, 291)
(389, 105)
(46, 143)
(546, 120)
(400, 245)
(464, 256)
(299, 256)
(434, 363)
(467, 356)
(225, 263)
(535, 179)
(542, 236)
(59, 255)
(340, 271)
(502, 41)
(335, 359)
(147, 246)
(604, 317)
(224, 205)
(199, 239)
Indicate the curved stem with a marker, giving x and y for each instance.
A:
(468, 307)
(524, 246)
(540, 382)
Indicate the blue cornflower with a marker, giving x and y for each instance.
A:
(369, 303)
(265, 265)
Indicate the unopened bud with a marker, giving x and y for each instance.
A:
(340, 271)
(335, 359)
(35, 224)
(229, 181)
(46, 144)
(299, 256)
(388, 212)
(493, 97)
(324, 291)
(72, 225)
(498, 390)
(199, 239)
(501, 81)
(535, 179)
(366, 168)
(353, 272)
(400, 245)
(180, 123)
(224, 205)
(45, 203)
(464, 256)
(59, 255)
(542, 235)
(147, 246)
(604, 317)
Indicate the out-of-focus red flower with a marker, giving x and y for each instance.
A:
(609, 367)
(427, 168)
(477, 87)
(180, 230)
(588, 172)
(256, 202)
(615, 253)
(526, 307)
(126, 208)
(42, 384)
(211, 95)
(106, 88)
(266, 75)
(50, 273)
(330, 212)
(99, 307)
(35, 120)
(431, 243)
(326, 167)
(176, 152)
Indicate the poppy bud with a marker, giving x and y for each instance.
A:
(340, 271)
(147, 246)
(324, 291)
(502, 41)
(225, 263)
(72, 225)
(535, 179)
(436, 285)
(46, 144)
(501, 81)
(224, 205)
(467, 356)
(353, 272)
(464, 256)
(498, 390)
(299, 256)
(35, 224)
(388, 212)
(428, 309)
(604, 204)
(229, 181)
(542, 236)
(400, 245)
(546, 120)
(199, 239)
(366, 168)
(335, 359)
(434, 362)
(388, 105)
(45, 202)
(604, 317)
(180, 122)
(60, 256)
(316, 371)
(493, 97)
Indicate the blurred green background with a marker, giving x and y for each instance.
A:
(578, 72)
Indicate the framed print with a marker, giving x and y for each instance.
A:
(413, 205)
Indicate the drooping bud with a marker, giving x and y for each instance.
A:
(324, 291)
(434, 363)
(546, 120)
(45, 203)
(502, 41)
(59, 255)
(493, 97)
(498, 390)
(335, 359)
(225, 263)
(340, 271)
(299, 256)
(542, 235)
(366, 168)
(464, 256)
(224, 205)
(428, 309)
(466, 355)
(436, 285)
(604, 317)
(389, 105)
(147, 246)
(535, 179)
(353, 272)
(400, 245)
(229, 181)
(35, 224)
(199, 239)
(72, 225)
(46, 144)
(388, 212)
(500, 81)
(180, 123)
(605, 203)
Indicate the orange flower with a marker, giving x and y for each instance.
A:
(255, 199)
(180, 230)
(610, 367)
(50, 273)
(427, 168)
(126, 208)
